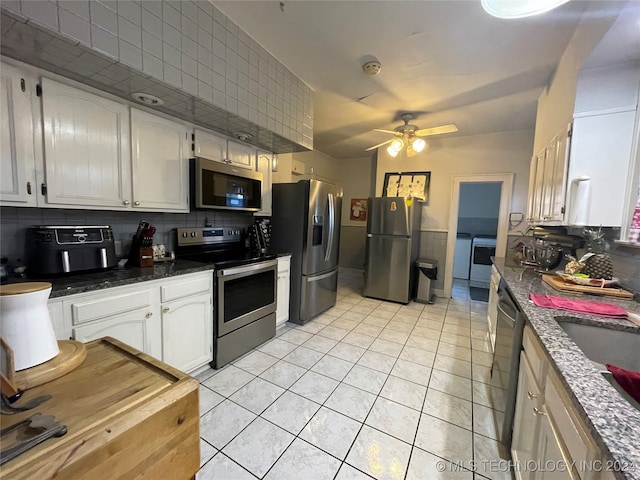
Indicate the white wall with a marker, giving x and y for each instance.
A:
(556, 103)
(504, 152)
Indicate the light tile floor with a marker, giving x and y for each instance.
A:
(367, 389)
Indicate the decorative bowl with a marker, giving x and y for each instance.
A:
(590, 282)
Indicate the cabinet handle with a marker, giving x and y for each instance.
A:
(28, 188)
(537, 411)
(531, 395)
(126, 202)
(165, 310)
(149, 315)
(136, 203)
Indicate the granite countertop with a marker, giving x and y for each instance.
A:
(88, 282)
(613, 423)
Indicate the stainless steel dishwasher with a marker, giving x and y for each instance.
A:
(506, 358)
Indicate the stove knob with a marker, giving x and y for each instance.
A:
(230, 232)
(237, 232)
(185, 234)
(194, 234)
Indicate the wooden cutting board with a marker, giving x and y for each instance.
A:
(557, 283)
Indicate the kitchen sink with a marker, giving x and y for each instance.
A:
(604, 345)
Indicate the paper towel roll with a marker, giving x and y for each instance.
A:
(580, 200)
(25, 324)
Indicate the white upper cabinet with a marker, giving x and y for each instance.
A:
(241, 155)
(601, 156)
(160, 155)
(210, 146)
(87, 151)
(264, 164)
(17, 161)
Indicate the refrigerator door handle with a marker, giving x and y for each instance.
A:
(332, 220)
(322, 277)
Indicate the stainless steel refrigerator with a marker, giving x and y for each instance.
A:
(393, 243)
(306, 223)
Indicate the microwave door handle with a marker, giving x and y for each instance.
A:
(332, 218)
(103, 257)
(66, 265)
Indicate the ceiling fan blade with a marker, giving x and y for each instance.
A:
(384, 131)
(380, 144)
(449, 128)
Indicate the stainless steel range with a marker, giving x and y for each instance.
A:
(244, 292)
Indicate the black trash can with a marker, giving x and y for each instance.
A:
(427, 271)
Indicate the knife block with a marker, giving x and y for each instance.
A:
(140, 256)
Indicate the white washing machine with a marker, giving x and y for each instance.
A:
(482, 249)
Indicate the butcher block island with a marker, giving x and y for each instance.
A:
(127, 414)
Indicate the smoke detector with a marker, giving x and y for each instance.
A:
(147, 99)
(372, 68)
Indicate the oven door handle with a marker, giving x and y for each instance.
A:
(247, 269)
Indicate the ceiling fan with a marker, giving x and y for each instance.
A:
(409, 135)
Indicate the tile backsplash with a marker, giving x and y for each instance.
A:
(16, 220)
(206, 69)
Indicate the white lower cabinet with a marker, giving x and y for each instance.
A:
(130, 314)
(187, 322)
(138, 329)
(284, 280)
(169, 319)
(549, 438)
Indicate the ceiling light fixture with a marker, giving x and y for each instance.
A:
(394, 147)
(519, 8)
(147, 99)
(418, 144)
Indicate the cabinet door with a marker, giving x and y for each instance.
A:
(284, 280)
(241, 155)
(526, 419)
(547, 180)
(601, 149)
(559, 178)
(535, 188)
(86, 148)
(160, 155)
(210, 146)
(17, 160)
(265, 161)
(139, 329)
(187, 332)
(549, 454)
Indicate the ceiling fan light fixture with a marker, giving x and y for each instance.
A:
(396, 145)
(418, 144)
(392, 152)
(510, 9)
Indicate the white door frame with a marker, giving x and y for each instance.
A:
(506, 179)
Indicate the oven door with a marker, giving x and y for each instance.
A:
(244, 294)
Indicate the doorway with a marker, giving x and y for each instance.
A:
(480, 208)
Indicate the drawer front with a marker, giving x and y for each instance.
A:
(535, 355)
(185, 287)
(108, 305)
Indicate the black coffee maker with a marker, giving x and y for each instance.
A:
(260, 235)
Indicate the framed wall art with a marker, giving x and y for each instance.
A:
(358, 210)
(407, 184)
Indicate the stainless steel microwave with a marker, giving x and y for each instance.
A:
(218, 186)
